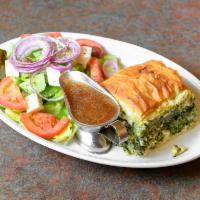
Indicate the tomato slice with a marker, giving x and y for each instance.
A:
(97, 49)
(50, 34)
(44, 125)
(54, 34)
(96, 72)
(10, 95)
(25, 35)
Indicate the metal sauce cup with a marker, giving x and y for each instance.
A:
(94, 136)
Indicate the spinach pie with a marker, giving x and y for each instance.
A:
(155, 104)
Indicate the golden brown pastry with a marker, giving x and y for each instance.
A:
(145, 86)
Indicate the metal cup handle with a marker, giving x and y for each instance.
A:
(115, 132)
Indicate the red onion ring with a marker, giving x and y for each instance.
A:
(110, 67)
(26, 46)
(69, 52)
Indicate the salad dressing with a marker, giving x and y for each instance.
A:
(88, 105)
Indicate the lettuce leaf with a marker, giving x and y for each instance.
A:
(67, 135)
(57, 108)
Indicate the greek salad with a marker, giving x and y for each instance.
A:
(30, 92)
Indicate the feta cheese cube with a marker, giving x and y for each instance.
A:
(10, 69)
(85, 55)
(34, 103)
(53, 76)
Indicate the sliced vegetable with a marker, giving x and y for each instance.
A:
(96, 70)
(10, 95)
(67, 135)
(43, 124)
(110, 67)
(26, 46)
(15, 116)
(54, 34)
(35, 83)
(26, 86)
(63, 112)
(52, 93)
(25, 35)
(57, 108)
(109, 57)
(50, 34)
(68, 50)
(38, 82)
(97, 49)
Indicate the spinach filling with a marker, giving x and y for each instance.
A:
(150, 134)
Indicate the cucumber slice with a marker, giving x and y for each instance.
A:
(26, 86)
(37, 83)
(12, 115)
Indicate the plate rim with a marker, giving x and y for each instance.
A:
(92, 158)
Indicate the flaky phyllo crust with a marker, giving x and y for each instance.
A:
(144, 87)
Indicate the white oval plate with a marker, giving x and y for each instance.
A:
(130, 55)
